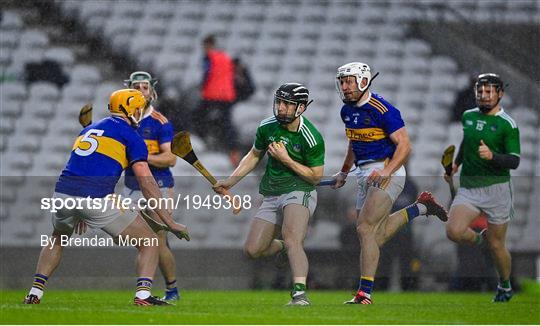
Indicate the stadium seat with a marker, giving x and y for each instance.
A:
(13, 90)
(86, 75)
(9, 40)
(43, 91)
(6, 127)
(34, 40)
(16, 162)
(159, 11)
(74, 92)
(64, 56)
(11, 21)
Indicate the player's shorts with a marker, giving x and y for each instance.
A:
(271, 204)
(111, 220)
(135, 195)
(393, 188)
(495, 200)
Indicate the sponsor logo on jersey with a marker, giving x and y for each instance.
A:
(147, 132)
(297, 147)
(365, 134)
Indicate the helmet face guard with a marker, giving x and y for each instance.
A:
(138, 77)
(127, 103)
(289, 115)
(490, 84)
(290, 96)
(360, 71)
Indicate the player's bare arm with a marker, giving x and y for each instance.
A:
(150, 189)
(165, 158)
(311, 174)
(247, 164)
(399, 137)
(341, 176)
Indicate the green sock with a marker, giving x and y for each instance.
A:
(479, 239)
(299, 287)
(505, 284)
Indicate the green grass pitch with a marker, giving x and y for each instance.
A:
(267, 307)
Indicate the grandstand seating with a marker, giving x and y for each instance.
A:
(281, 41)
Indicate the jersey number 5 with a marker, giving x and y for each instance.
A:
(87, 138)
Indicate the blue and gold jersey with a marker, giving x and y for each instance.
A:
(369, 127)
(99, 155)
(156, 130)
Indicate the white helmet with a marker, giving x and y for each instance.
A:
(143, 77)
(359, 70)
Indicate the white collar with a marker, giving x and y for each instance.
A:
(365, 101)
(301, 123)
(501, 111)
(148, 112)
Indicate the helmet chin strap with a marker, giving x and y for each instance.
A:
(369, 84)
(134, 122)
(363, 92)
(296, 114)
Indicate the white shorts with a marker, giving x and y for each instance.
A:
(271, 204)
(393, 189)
(111, 220)
(495, 200)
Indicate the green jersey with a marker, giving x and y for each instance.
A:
(305, 146)
(500, 133)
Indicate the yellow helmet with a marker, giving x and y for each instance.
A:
(126, 102)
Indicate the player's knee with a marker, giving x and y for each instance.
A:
(251, 251)
(162, 238)
(453, 233)
(365, 230)
(293, 243)
(147, 249)
(496, 244)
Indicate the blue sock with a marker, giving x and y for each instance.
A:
(171, 285)
(411, 212)
(40, 281)
(366, 284)
(144, 287)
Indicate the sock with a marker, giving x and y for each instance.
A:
(505, 284)
(422, 209)
(144, 286)
(283, 248)
(38, 286)
(366, 285)
(479, 239)
(299, 288)
(171, 285)
(412, 211)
